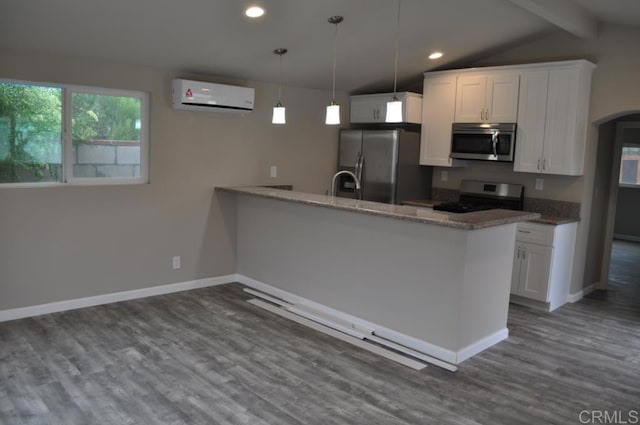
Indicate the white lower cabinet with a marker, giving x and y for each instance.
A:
(542, 264)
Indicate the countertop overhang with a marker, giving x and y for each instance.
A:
(466, 221)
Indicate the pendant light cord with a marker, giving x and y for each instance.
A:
(335, 50)
(395, 71)
(280, 82)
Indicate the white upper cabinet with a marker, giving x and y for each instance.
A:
(549, 102)
(552, 122)
(372, 108)
(491, 97)
(438, 111)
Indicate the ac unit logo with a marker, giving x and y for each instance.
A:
(189, 93)
(609, 417)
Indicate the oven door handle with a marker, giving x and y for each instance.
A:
(494, 142)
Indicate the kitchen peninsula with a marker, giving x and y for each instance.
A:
(435, 282)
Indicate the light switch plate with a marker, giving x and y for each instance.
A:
(274, 171)
(539, 184)
(444, 175)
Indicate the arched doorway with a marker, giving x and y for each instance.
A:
(614, 134)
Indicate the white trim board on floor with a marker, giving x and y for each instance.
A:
(73, 304)
(415, 365)
(439, 353)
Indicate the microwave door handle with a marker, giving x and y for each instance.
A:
(494, 140)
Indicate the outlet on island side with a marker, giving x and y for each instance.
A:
(176, 262)
(444, 175)
(274, 171)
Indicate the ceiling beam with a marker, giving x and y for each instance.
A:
(563, 14)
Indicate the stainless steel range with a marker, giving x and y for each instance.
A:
(479, 195)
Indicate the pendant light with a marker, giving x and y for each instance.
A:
(333, 110)
(279, 111)
(394, 107)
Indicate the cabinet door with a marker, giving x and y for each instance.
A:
(368, 109)
(470, 98)
(438, 110)
(535, 271)
(502, 97)
(560, 128)
(515, 276)
(532, 107)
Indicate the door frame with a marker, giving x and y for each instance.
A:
(613, 198)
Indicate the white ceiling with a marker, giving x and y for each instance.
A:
(214, 37)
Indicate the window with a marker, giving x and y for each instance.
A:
(629, 170)
(106, 141)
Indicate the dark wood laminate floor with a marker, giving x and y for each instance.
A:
(208, 357)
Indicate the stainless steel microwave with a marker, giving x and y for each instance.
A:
(487, 142)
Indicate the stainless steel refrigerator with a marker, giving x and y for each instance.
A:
(387, 163)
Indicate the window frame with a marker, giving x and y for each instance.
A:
(68, 179)
(627, 185)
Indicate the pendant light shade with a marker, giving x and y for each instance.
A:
(333, 110)
(394, 107)
(279, 114)
(333, 114)
(279, 111)
(394, 110)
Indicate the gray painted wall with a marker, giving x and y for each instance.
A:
(627, 209)
(60, 243)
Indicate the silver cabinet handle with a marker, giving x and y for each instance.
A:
(524, 231)
(518, 254)
(544, 164)
(538, 164)
(524, 253)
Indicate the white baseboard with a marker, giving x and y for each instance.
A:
(432, 350)
(627, 237)
(572, 298)
(38, 310)
(483, 344)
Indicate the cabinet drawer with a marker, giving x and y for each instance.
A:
(541, 234)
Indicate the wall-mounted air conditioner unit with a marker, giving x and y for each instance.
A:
(201, 96)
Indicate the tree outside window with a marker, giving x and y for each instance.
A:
(105, 141)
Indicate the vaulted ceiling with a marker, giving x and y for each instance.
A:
(214, 37)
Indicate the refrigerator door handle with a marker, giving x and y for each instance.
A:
(359, 164)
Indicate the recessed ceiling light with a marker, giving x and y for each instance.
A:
(435, 55)
(254, 12)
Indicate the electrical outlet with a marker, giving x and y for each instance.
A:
(274, 171)
(444, 175)
(539, 184)
(176, 262)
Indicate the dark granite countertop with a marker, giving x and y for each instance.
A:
(542, 219)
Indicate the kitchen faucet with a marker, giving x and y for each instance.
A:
(355, 179)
